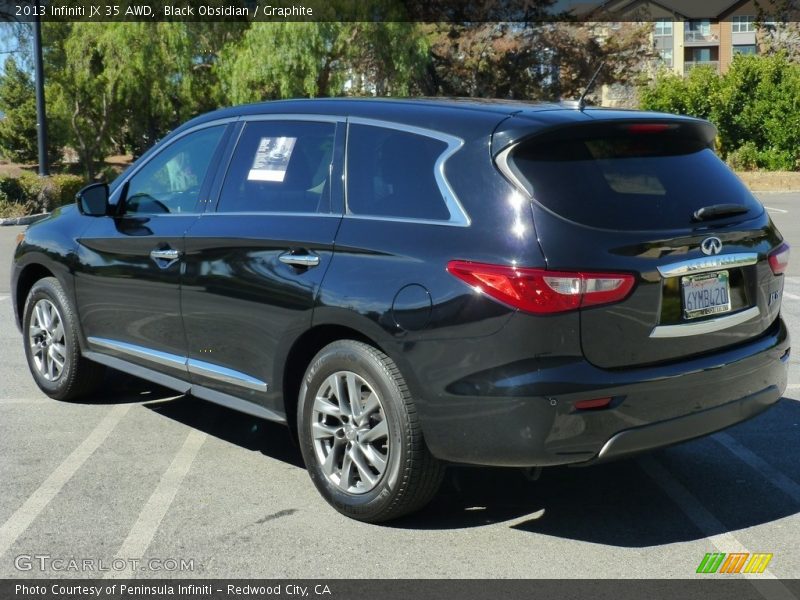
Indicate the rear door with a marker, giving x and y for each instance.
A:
(254, 265)
(652, 199)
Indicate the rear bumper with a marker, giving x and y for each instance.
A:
(525, 414)
(673, 431)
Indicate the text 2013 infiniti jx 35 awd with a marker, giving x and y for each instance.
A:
(409, 284)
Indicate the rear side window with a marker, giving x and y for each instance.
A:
(280, 166)
(390, 173)
(629, 181)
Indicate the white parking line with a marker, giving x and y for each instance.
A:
(142, 532)
(711, 527)
(780, 210)
(790, 296)
(778, 479)
(25, 514)
(3, 297)
(15, 401)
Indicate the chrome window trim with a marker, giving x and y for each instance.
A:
(293, 117)
(196, 367)
(458, 215)
(707, 264)
(709, 326)
(501, 160)
(252, 213)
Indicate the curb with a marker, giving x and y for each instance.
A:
(26, 220)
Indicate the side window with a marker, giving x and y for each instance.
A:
(280, 166)
(390, 173)
(170, 182)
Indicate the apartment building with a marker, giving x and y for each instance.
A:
(691, 33)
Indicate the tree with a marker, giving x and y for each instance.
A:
(755, 106)
(531, 61)
(285, 60)
(122, 86)
(778, 28)
(18, 104)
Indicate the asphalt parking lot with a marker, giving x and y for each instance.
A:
(138, 474)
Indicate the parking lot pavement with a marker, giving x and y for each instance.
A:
(137, 473)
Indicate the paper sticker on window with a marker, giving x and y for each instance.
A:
(272, 159)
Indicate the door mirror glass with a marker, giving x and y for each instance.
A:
(93, 200)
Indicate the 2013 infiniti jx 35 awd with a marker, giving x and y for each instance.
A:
(409, 284)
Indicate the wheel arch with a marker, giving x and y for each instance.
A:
(303, 351)
(28, 276)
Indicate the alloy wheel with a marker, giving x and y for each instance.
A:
(47, 340)
(350, 433)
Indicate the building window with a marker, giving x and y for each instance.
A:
(702, 27)
(745, 49)
(666, 56)
(663, 27)
(743, 24)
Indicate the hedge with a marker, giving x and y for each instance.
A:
(31, 193)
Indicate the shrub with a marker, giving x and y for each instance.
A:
(754, 106)
(10, 189)
(744, 158)
(40, 194)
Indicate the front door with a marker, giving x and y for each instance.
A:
(129, 265)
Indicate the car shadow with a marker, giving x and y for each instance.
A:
(619, 503)
(251, 433)
(626, 503)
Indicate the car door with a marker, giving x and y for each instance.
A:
(254, 264)
(127, 280)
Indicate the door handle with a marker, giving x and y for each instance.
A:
(165, 257)
(305, 260)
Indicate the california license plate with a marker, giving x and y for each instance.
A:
(706, 294)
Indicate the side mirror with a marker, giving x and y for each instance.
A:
(93, 200)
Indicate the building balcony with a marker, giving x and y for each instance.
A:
(691, 64)
(698, 38)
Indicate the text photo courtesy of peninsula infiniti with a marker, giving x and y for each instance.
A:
(409, 284)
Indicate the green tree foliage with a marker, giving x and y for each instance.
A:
(18, 103)
(287, 60)
(755, 105)
(122, 86)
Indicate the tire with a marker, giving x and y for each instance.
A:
(50, 336)
(344, 459)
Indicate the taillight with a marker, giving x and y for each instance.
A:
(541, 291)
(779, 259)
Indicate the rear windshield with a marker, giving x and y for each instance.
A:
(630, 181)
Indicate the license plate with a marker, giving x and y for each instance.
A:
(706, 294)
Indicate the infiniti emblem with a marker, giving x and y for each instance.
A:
(712, 245)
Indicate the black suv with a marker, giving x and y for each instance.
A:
(415, 283)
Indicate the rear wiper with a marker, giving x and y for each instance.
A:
(716, 211)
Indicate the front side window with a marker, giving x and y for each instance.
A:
(280, 167)
(390, 173)
(171, 181)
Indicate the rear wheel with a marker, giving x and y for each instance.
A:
(360, 436)
(51, 344)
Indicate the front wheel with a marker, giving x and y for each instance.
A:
(51, 344)
(360, 436)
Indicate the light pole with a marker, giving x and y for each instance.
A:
(41, 111)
